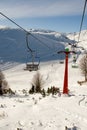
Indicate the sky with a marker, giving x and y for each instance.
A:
(56, 15)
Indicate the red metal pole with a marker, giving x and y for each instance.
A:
(65, 87)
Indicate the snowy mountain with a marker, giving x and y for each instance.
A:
(45, 44)
(82, 40)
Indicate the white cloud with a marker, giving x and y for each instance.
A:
(2, 26)
(40, 8)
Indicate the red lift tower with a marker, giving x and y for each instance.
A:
(65, 87)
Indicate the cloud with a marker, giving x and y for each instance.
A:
(40, 8)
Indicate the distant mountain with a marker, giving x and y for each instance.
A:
(44, 44)
(82, 39)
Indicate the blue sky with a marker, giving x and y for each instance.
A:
(57, 15)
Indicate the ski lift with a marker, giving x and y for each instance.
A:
(75, 47)
(34, 65)
(74, 65)
(61, 61)
(31, 66)
(76, 55)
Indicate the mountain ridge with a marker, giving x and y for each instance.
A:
(44, 43)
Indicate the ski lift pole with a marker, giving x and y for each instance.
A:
(65, 85)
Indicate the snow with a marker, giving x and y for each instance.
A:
(34, 112)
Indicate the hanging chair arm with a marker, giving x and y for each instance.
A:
(28, 42)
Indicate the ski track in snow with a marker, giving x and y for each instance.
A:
(69, 118)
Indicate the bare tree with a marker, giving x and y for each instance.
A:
(83, 66)
(2, 77)
(37, 82)
(3, 83)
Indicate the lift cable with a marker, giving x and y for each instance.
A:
(27, 32)
(74, 45)
(27, 41)
(41, 42)
(13, 22)
(82, 19)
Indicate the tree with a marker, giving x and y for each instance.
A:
(83, 66)
(37, 82)
(1, 81)
(3, 84)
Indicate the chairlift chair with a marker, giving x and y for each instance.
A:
(34, 65)
(31, 66)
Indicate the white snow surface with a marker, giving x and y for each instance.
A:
(34, 112)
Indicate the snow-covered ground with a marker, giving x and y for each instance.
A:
(34, 112)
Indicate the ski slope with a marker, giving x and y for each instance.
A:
(34, 112)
